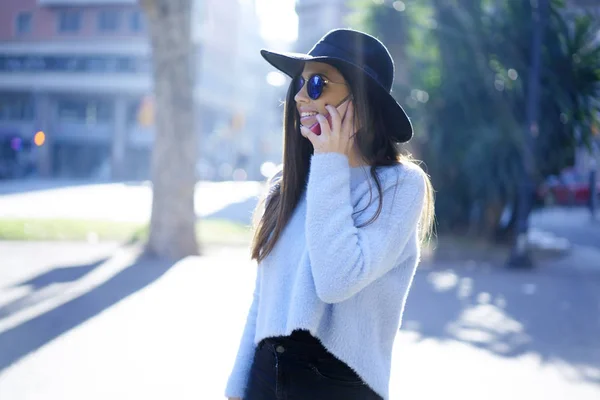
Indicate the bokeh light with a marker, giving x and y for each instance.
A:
(399, 6)
(268, 169)
(39, 139)
(16, 143)
(276, 79)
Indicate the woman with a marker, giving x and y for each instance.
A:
(338, 236)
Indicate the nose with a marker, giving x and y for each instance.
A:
(302, 96)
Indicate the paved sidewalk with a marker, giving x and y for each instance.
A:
(173, 338)
(155, 331)
(582, 259)
(573, 223)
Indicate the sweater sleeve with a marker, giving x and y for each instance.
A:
(238, 379)
(345, 259)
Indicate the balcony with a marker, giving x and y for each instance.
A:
(53, 3)
(102, 74)
(74, 131)
(134, 47)
(76, 83)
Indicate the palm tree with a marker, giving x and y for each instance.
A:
(473, 62)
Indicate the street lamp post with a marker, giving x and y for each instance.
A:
(520, 256)
(593, 181)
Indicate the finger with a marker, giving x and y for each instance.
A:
(348, 122)
(325, 128)
(302, 131)
(307, 133)
(336, 118)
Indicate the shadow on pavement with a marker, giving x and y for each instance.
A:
(240, 212)
(41, 283)
(17, 342)
(551, 314)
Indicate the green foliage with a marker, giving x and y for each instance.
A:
(467, 63)
(209, 231)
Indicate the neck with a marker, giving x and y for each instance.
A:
(355, 159)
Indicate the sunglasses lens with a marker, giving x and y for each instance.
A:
(315, 86)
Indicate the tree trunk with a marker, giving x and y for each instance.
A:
(174, 155)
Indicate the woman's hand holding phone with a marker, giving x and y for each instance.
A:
(336, 131)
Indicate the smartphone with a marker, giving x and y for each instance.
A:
(316, 128)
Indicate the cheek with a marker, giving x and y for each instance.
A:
(332, 97)
(320, 104)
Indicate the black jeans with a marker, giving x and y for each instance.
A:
(298, 367)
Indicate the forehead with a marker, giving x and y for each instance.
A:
(313, 67)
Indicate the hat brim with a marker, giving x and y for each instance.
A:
(395, 118)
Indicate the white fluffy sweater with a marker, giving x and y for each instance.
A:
(346, 285)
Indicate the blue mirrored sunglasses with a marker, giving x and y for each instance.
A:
(314, 85)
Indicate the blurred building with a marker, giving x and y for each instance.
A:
(317, 17)
(75, 70)
(80, 72)
(242, 129)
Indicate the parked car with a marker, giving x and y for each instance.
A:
(568, 188)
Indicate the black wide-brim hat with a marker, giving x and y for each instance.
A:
(356, 52)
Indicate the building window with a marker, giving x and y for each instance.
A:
(16, 107)
(23, 23)
(99, 64)
(108, 21)
(84, 111)
(136, 21)
(69, 21)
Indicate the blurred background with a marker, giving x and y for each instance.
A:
(504, 96)
(80, 73)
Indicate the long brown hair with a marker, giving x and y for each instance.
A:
(286, 187)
